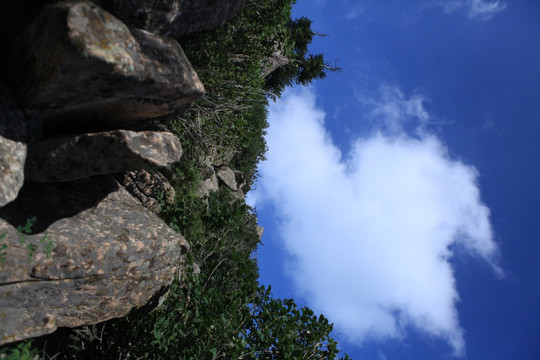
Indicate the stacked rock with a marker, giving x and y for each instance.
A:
(76, 247)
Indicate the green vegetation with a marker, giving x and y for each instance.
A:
(301, 67)
(22, 351)
(218, 310)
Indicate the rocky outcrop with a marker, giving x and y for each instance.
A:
(12, 147)
(80, 67)
(175, 17)
(66, 158)
(150, 188)
(216, 171)
(75, 247)
(105, 259)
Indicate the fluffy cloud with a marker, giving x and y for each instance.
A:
(371, 233)
(479, 9)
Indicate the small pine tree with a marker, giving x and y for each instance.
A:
(302, 67)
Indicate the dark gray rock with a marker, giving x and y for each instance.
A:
(79, 68)
(98, 254)
(13, 139)
(174, 17)
(148, 187)
(71, 157)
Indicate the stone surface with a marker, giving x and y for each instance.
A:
(207, 186)
(12, 147)
(109, 255)
(227, 176)
(79, 67)
(148, 187)
(71, 157)
(238, 195)
(174, 17)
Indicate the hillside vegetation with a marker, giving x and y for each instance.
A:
(222, 312)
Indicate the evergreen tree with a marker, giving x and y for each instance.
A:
(302, 67)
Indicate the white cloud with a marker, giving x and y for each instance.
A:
(391, 108)
(477, 9)
(485, 10)
(355, 11)
(371, 233)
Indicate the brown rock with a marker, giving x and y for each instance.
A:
(149, 188)
(175, 17)
(66, 158)
(79, 67)
(103, 255)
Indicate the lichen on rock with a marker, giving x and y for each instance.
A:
(110, 255)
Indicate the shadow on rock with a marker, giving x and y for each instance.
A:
(49, 202)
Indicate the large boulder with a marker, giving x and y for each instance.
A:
(93, 253)
(12, 147)
(71, 157)
(150, 188)
(174, 17)
(78, 67)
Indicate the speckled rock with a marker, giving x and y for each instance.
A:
(12, 147)
(78, 66)
(98, 254)
(71, 157)
(148, 187)
(174, 17)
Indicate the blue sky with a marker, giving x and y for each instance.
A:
(400, 196)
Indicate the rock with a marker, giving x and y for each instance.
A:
(81, 69)
(260, 231)
(238, 195)
(103, 255)
(227, 176)
(71, 157)
(207, 186)
(217, 156)
(13, 139)
(174, 17)
(240, 179)
(148, 188)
